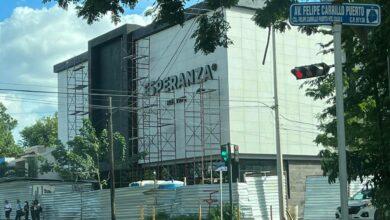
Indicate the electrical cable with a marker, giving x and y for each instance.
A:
(177, 49)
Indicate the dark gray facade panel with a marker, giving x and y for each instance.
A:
(71, 62)
(118, 32)
(108, 78)
(110, 74)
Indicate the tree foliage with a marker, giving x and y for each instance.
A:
(6, 170)
(215, 212)
(85, 154)
(212, 27)
(8, 148)
(43, 132)
(205, 38)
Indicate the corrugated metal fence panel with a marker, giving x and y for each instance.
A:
(61, 206)
(244, 201)
(23, 190)
(189, 198)
(12, 191)
(49, 209)
(255, 196)
(129, 202)
(263, 193)
(322, 198)
(96, 205)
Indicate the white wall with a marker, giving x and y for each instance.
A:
(63, 102)
(62, 107)
(251, 88)
(246, 88)
(167, 53)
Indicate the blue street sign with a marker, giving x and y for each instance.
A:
(221, 168)
(328, 13)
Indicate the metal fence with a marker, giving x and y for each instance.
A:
(322, 198)
(29, 190)
(258, 193)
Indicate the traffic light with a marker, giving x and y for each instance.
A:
(309, 71)
(224, 153)
(236, 153)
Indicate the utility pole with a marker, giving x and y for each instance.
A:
(340, 120)
(279, 156)
(112, 164)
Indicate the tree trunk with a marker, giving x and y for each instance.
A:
(98, 172)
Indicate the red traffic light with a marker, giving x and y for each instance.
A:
(299, 74)
(309, 71)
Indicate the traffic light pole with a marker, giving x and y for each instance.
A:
(230, 180)
(340, 120)
(279, 156)
(220, 192)
(388, 70)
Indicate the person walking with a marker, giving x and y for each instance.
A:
(32, 210)
(36, 210)
(26, 210)
(19, 210)
(7, 209)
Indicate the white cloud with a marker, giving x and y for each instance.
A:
(31, 42)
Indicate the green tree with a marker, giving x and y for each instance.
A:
(6, 170)
(366, 99)
(215, 212)
(82, 158)
(8, 148)
(211, 31)
(43, 132)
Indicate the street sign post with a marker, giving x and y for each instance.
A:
(221, 167)
(329, 13)
(337, 15)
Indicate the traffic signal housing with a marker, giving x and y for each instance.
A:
(224, 153)
(310, 71)
(236, 153)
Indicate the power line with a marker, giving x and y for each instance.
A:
(123, 108)
(177, 49)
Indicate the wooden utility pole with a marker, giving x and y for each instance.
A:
(112, 164)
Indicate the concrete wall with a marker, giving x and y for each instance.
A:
(298, 171)
(251, 88)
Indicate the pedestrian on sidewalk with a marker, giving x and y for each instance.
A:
(19, 210)
(7, 209)
(26, 210)
(36, 210)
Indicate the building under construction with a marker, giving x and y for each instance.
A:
(176, 107)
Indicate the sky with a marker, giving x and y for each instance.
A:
(34, 37)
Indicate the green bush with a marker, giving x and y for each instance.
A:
(165, 216)
(215, 212)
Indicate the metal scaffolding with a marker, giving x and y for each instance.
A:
(202, 128)
(139, 106)
(156, 128)
(77, 99)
